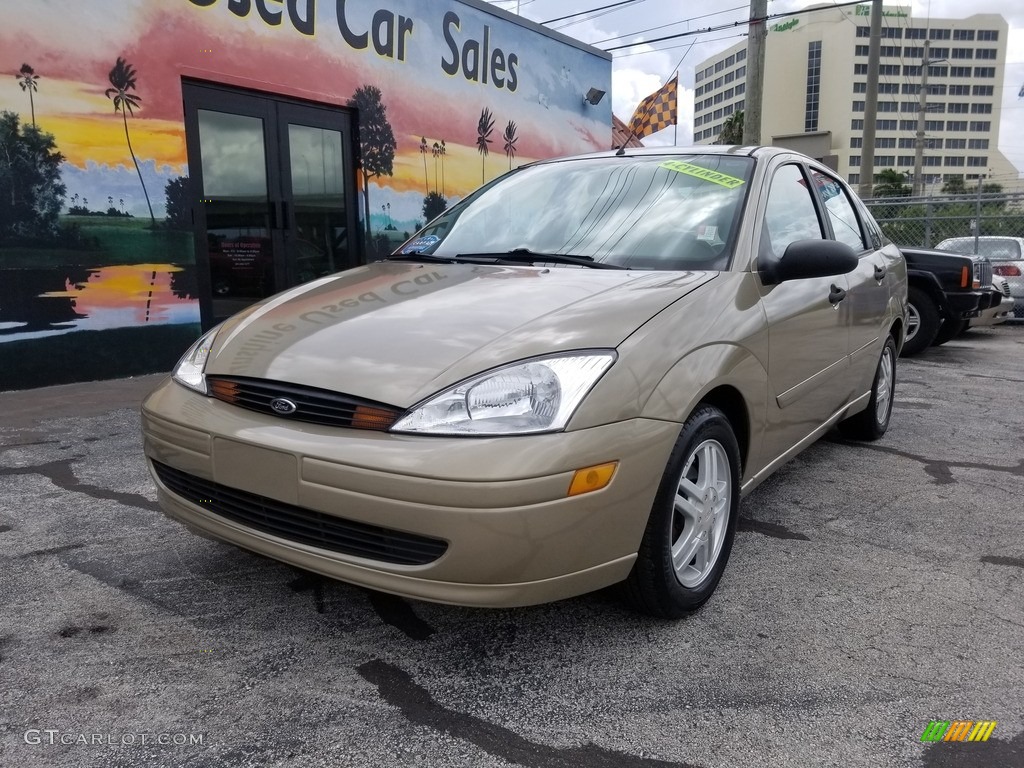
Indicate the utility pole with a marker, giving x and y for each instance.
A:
(756, 34)
(922, 107)
(867, 151)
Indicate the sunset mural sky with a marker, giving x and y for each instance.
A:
(72, 48)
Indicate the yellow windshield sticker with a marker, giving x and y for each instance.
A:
(731, 182)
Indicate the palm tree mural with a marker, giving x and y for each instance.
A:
(510, 142)
(436, 151)
(484, 127)
(122, 78)
(423, 151)
(443, 152)
(29, 81)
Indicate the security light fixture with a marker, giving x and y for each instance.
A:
(593, 97)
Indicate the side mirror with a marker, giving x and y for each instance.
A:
(808, 258)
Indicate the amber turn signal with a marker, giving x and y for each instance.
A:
(592, 478)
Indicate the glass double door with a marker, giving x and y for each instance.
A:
(273, 191)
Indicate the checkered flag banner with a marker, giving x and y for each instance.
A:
(655, 112)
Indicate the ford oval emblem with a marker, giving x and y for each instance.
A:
(283, 406)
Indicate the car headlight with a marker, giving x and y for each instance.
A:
(538, 395)
(190, 370)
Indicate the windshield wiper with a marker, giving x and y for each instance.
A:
(417, 256)
(526, 256)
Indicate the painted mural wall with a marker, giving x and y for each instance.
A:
(97, 269)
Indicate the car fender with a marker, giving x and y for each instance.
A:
(714, 372)
(927, 281)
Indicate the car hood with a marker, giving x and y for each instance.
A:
(396, 332)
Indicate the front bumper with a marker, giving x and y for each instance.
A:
(513, 536)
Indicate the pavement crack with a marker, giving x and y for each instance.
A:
(774, 530)
(62, 475)
(399, 690)
(1017, 562)
(940, 470)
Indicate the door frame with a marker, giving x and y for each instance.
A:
(276, 111)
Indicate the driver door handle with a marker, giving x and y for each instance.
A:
(836, 295)
(879, 272)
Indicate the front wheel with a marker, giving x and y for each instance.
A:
(923, 322)
(873, 421)
(950, 329)
(691, 527)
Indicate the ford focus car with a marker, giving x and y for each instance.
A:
(566, 381)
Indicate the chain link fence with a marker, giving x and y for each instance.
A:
(926, 221)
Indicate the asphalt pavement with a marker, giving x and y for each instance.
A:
(872, 589)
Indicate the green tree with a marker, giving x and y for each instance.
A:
(376, 142)
(954, 186)
(510, 142)
(29, 81)
(31, 191)
(123, 80)
(484, 127)
(891, 183)
(732, 129)
(434, 205)
(176, 195)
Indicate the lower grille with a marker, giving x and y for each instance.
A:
(300, 403)
(303, 526)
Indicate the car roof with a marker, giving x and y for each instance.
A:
(689, 151)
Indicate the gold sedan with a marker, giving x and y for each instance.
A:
(566, 381)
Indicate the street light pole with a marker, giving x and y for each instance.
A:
(867, 151)
(922, 108)
(756, 34)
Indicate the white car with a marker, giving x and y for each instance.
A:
(1007, 257)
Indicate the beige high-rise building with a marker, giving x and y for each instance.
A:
(816, 65)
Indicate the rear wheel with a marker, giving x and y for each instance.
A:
(693, 521)
(922, 322)
(873, 421)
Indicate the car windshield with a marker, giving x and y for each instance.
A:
(654, 212)
(993, 248)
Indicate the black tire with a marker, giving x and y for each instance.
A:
(653, 586)
(950, 329)
(924, 311)
(872, 422)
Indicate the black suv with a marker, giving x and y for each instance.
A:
(946, 291)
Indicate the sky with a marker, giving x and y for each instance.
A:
(639, 71)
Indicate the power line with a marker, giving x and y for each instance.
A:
(720, 27)
(671, 24)
(592, 10)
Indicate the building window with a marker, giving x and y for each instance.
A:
(909, 106)
(863, 31)
(982, 90)
(853, 178)
(717, 114)
(959, 71)
(916, 33)
(910, 89)
(858, 106)
(741, 72)
(888, 106)
(730, 76)
(885, 125)
(888, 87)
(893, 33)
(890, 50)
(957, 108)
(953, 161)
(936, 89)
(915, 52)
(729, 93)
(741, 54)
(977, 143)
(960, 90)
(719, 82)
(740, 88)
(719, 66)
(907, 143)
(931, 160)
(938, 71)
(860, 69)
(984, 71)
(856, 125)
(939, 34)
(908, 125)
(951, 125)
(885, 160)
(988, 34)
(885, 143)
(977, 162)
(861, 50)
(956, 143)
(730, 60)
(856, 142)
(981, 109)
(981, 126)
(985, 53)
(905, 160)
(811, 102)
(698, 76)
(939, 53)
(963, 34)
(963, 53)
(933, 125)
(860, 87)
(889, 70)
(912, 70)
(855, 161)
